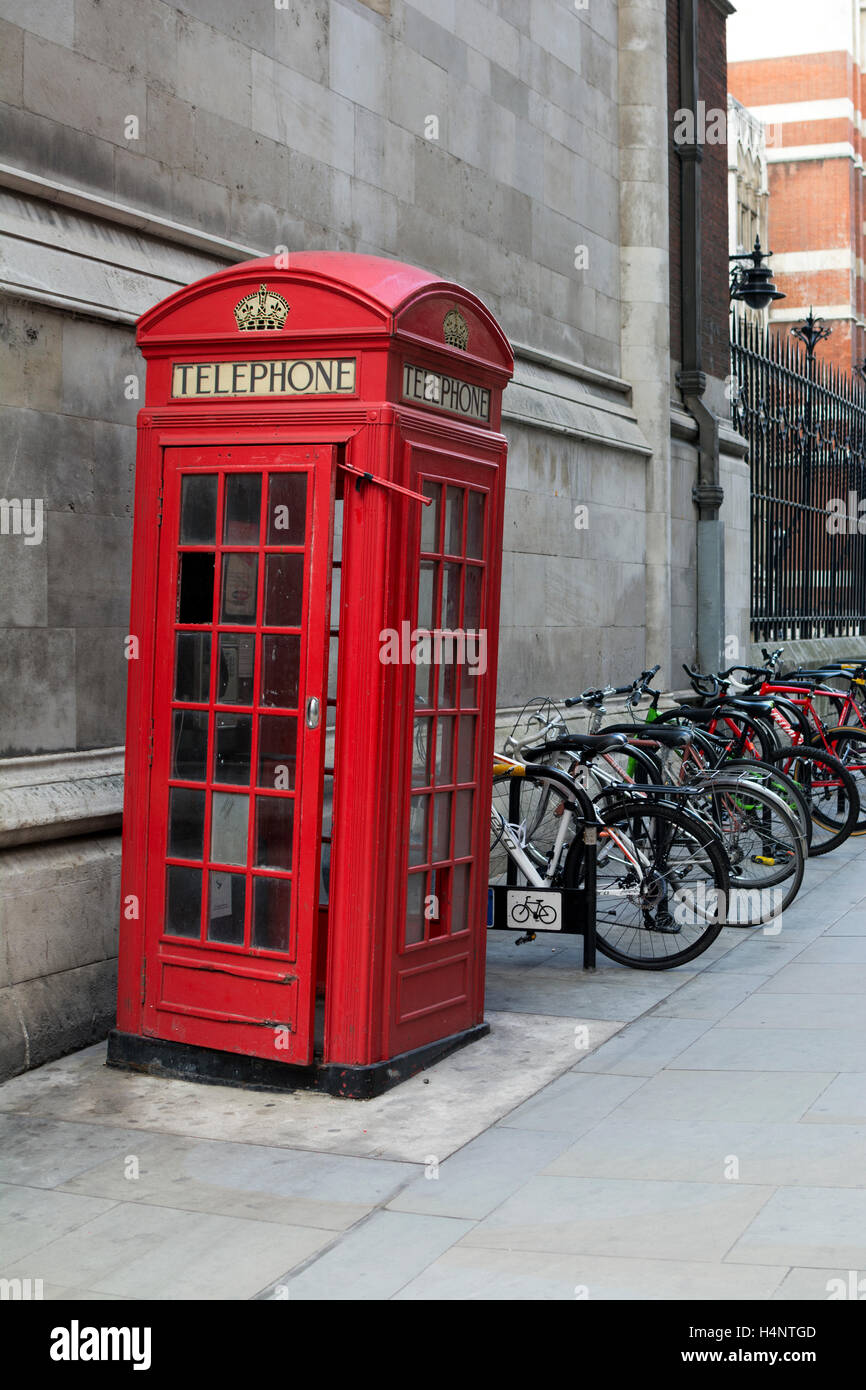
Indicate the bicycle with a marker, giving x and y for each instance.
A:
(662, 879)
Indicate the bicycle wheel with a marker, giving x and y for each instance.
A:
(829, 791)
(764, 844)
(775, 780)
(849, 746)
(661, 884)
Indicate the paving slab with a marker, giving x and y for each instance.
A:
(820, 979)
(813, 1226)
(708, 996)
(573, 1103)
(602, 1216)
(774, 1096)
(290, 1187)
(374, 1261)
(467, 1274)
(721, 1151)
(555, 991)
(833, 1285)
(773, 1010)
(31, 1218)
(777, 1049)
(843, 1101)
(40, 1152)
(480, 1175)
(139, 1251)
(835, 950)
(645, 1046)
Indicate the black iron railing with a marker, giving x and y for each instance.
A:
(806, 425)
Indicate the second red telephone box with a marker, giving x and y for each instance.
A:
(316, 570)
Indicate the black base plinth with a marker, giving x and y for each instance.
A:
(185, 1062)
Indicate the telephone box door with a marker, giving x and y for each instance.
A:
(236, 776)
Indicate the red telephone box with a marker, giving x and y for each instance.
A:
(312, 675)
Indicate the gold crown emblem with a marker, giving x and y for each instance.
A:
(456, 330)
(263, 308)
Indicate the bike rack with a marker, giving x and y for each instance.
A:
(577, 906)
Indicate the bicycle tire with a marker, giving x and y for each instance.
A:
(749, 818)
(844, 743)
(831, 827)
(669, 822)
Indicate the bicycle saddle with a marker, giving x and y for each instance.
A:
(592, 745)
(638, 733)
(759, 703)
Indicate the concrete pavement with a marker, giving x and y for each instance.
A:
(698, 1133)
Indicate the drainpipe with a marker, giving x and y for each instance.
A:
(707, 493)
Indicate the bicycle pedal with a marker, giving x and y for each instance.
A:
(762, 859)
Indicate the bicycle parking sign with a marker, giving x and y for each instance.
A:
(531, 907)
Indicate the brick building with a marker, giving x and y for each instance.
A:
(799, 69)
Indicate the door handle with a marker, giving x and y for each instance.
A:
(312, 716)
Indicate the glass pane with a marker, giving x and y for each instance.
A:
(325, 875)
(336, 575)
(195, 587)
(463, 824)
(333, 658)
(281, 663)
(454, 521)
(472, 601)
(435, 906)
(470, 685)
(189, 745)
(475, 526)
(278, 752)
(225, 911)
(460, 897)
(445, 751)
(430, 517)
(421, 753)
(327, 806)
(442, 827)
(419, 807)
(415, 908)
(228, 830)
(337, 551)
(182, 901)
(426, 589)
(466, 749)
(447, 685)
(240, 577)
(236, 669)
(234, 736)
(243, 506)
(451, 596)
(272, 904)
(192, 667)
(287, 508)
(198, 509)
(274, 821)
(423, 674)
(186, 823)
(284, 590)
